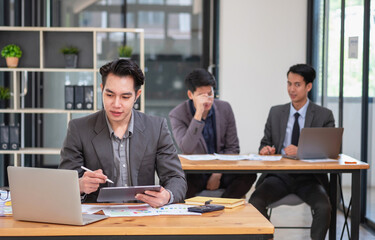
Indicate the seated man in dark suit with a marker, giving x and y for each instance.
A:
(204, 125)
(123, 144)
(281, 135)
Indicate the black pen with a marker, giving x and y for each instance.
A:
(86, 169)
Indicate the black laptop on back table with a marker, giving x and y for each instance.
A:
(318, 143)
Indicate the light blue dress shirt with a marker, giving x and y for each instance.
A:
(291, 120)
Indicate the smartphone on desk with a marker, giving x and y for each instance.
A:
(123, 194)
(206, 208)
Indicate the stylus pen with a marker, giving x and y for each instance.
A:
(86, 169)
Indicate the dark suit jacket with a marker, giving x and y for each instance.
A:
(188, 132)
(275, 129)
(151, 149)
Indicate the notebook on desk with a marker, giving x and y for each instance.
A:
(318, 143)
(47, 195)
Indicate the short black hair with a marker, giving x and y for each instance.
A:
(123, 67)
(306, 71)
(199, 78)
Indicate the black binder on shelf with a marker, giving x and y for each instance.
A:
(79, 97)
(69, 97)
(14, 137)
(4, 137)
(89, 97)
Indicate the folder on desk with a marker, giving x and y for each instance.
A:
(227, 202)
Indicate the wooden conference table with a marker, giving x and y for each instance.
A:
(243, 222)
(345, 164)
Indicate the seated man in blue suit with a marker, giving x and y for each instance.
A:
(281, 135)
(123, 144)
(204, 125)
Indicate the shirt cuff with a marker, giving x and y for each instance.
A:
(283, 151)
(172, 198)
(83, 197)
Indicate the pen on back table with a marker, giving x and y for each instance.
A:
(86, 169)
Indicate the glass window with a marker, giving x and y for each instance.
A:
(179, 2)
(352, 101)
(333, 58)
(151, 2)
(370, 202)
(153, 23)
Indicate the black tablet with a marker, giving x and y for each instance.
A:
(123, 194)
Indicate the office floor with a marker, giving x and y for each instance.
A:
(301, 216)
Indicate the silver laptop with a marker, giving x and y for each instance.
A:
(318, 143)
(47, 195)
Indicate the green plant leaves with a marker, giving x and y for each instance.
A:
(11, 50)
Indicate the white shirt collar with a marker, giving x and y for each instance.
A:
(302, 111)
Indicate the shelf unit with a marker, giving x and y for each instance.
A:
(40, 46)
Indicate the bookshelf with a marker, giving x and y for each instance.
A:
(41, 54)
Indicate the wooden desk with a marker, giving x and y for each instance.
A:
(294, 166)
(243, 222)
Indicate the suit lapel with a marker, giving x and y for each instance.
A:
(309, 114)
(218, 127)
(103, 145)
(137, 147)
(283, 123)
(190, 117)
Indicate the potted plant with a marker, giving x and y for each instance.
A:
(70, 55)
(125, 52)
(4, 96)
(12, 54)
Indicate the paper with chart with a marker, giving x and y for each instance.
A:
(142, 210)
(176, 209)
(129, 211)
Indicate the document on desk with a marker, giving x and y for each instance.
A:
(226, 157)
(258, 157)
(319, 160)
(139, 210)
(176, 209)
(199, 157)
(5, 204)
(129, 211)
(90, 208)
(216, 156)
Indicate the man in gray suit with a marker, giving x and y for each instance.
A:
(281, 135)
(204, 125)
(122, 144)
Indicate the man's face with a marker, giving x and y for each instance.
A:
(204, 94)
(297, 88)
(119, 97)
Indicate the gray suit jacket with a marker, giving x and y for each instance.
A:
(275, 129)
(188, 132)
(151, 149)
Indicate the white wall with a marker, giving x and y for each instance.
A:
(259, 41)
